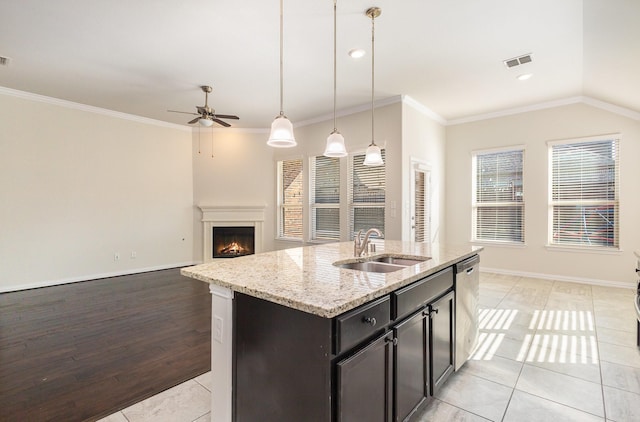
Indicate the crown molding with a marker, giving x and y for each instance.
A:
(349, 111)
(90, 109)
(622, 111)
(423, 109)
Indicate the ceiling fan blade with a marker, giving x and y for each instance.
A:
(220, 122)
(227, 116)
(183, 112)
(195, 120)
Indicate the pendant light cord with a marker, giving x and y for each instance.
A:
(281, 55)
(373, 142)
(335, 125)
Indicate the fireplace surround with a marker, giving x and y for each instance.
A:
(218, 216)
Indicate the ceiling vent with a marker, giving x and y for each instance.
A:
(517, 61)
(4, 61)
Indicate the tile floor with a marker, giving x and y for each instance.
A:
(548, 351)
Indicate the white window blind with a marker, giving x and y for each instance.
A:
(422, 206)
(498, 196)
(290, 186)
(325, 198)
(585, 193)
(366, 192)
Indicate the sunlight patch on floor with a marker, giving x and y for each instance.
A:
(550, 339)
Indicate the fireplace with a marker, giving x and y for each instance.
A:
(230, 242)
(239, 216)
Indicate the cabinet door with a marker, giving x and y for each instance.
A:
(442, 343)
(411, 357)
(364, 383)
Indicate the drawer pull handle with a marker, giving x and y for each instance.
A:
(392, 340)
(369, 320)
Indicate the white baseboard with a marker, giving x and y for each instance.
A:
(49, 283)
(592, 281)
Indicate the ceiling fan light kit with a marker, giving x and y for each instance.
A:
(281, 135)
(206, 115)
(373, 156)
(205, 122)
(335, 142)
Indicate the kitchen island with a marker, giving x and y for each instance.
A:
(294, 335)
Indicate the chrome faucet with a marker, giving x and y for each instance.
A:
(360, 246)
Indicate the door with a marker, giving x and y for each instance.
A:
(442, 343)
(420, 203)
(364, 383)
(411, 378)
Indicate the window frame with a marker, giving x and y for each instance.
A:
(280, 200)
(615, 202)
(478, 205)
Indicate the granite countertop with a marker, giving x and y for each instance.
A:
(305, 278)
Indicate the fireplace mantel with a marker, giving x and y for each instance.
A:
(251, 215)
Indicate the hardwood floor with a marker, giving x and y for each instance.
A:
(81, 351)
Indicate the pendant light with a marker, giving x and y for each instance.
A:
(335, 142)
(373, 156)
(281, 135)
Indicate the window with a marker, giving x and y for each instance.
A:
(325, 198)
(498, 196)
(366, 195)
(584, 199)
(290, 185)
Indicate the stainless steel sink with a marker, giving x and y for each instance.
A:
(381, 264)
(372, 266)
(399, 261)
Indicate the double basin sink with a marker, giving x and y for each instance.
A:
(382, 264)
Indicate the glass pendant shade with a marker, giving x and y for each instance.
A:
(281, 133)
(373, 156)
(335, 145)
(205, 122)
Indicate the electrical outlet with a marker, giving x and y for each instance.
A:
(116, 256)
(217, 329)
(134, 254)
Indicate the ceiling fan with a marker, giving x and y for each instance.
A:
(207, 115)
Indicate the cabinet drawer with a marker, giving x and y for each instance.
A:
(421, 292)
(360, 323)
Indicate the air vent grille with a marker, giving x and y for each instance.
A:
(517, 61)
(4, 61)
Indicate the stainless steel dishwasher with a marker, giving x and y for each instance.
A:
(467, 286)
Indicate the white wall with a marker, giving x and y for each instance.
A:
(534, 129)
(423, 140)
(241, 172)
(78, 186)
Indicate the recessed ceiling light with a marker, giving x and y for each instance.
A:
(356, 53)
(525, 76)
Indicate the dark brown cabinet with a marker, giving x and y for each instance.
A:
(423, 357)
(364, 383)
(382, 361)
(412, 374)
(442, 313)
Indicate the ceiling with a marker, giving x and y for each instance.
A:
(144, 57)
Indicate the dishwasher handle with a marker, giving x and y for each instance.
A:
(467, 264)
